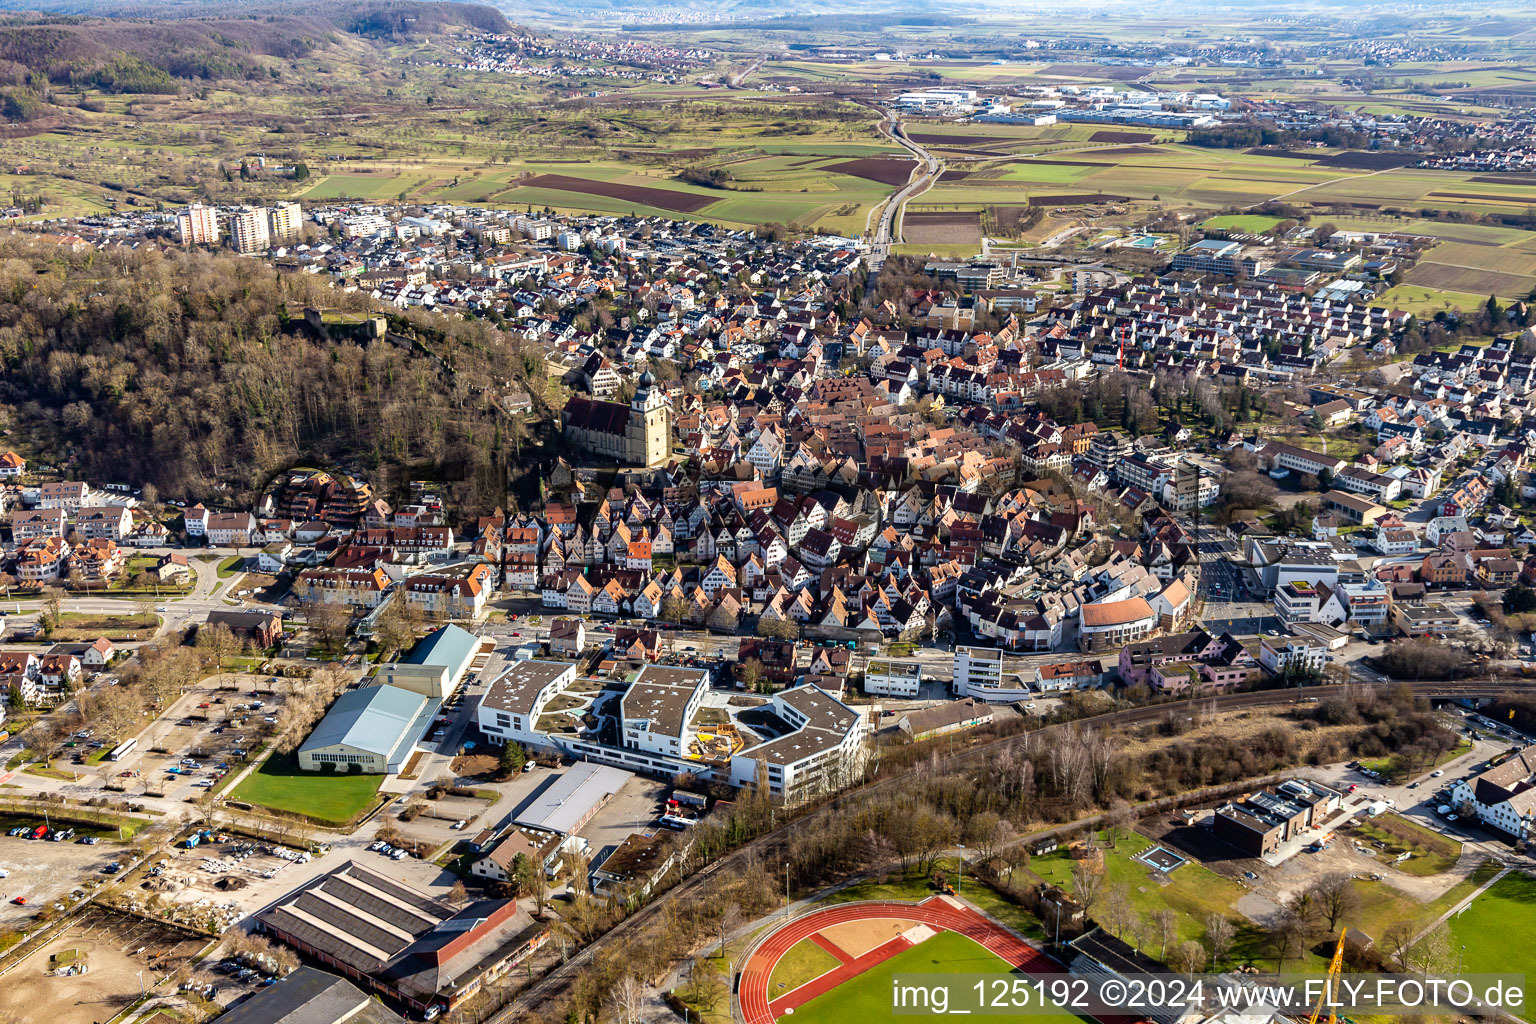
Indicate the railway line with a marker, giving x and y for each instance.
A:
(763, 848)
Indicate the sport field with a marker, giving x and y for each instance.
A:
(1252, 223)
(917, 889)
(804, 961)
(279, 785)
(1485, 928)
(868, 996)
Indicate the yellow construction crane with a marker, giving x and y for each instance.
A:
(1334, 966)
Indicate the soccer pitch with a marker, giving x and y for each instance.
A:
(868, 997)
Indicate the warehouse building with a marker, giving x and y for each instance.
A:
(375, 727)
(399, 942)
(568, 803)
(379, 725)
(308, 996)
(436, 666)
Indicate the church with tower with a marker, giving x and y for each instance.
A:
(637, 434)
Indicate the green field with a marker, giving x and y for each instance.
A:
(361, 186)
(1252, 223)
(1485, 929)
(868, 997)
(278, 785)
(799, 964)
(1432, 852)
(1426, 302)
(1193, 891)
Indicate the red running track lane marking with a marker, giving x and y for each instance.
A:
(851, 968)
(833, 948)
(937, 912)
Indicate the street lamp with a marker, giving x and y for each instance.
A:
(786, 890)
(960, 882)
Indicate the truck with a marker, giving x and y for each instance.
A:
(683, 809)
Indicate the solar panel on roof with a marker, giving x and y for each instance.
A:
(464, 924)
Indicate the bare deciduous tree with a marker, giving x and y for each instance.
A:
(1087, 884)
(1335, 897)
(1188, 957)
(1166, 923)
(1219, 933)
(626, 1001)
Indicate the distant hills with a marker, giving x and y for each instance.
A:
(159, 45)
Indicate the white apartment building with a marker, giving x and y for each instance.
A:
(537, 230)
(979, 674)
(198, 225)
(248, 231)
(1299, 601)
(820, 755)
(887, 677)
(284, 222)
(1278, 655)
(656, 712)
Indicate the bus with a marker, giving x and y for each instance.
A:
(122, 750)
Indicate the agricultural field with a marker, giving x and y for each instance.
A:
(923, 227)
(1180, 174)
(1426, 302)
(1508, 270)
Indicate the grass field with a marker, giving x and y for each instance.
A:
(1426, 302)
(1192, 892)
(1488, 924)
(802, 962)
(1432, 852)
(1252, 223)
(868, 997)
(279, 785)
(87, 626)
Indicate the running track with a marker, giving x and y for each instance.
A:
(938, 912)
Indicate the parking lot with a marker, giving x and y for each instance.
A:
(224, 881)
(198, 738)
(44, 872)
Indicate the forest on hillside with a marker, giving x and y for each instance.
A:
(194, 372)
